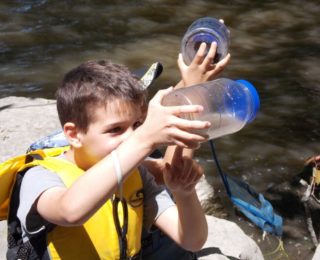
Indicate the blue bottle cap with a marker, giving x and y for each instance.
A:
(255, 97)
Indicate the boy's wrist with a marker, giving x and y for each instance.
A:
(143, 140)
(184, 195)
(180, 84)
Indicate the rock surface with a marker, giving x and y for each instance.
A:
(25, 120)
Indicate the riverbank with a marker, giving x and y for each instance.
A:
(24, 120)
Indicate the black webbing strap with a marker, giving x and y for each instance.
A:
(121, 231)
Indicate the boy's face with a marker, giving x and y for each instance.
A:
(110, 127)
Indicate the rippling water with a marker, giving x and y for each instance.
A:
(274, 44)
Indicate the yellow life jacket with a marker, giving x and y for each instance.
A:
(114, 224)
(12, 166)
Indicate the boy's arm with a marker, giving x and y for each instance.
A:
(186, 223)
(73, 206)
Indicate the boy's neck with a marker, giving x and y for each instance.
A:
(70, 156)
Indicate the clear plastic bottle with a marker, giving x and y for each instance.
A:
(208, 30)
(229, 105)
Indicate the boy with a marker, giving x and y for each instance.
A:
(94, 205)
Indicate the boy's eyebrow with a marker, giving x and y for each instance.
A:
(108, 125)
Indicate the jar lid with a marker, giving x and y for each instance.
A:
(254, 95)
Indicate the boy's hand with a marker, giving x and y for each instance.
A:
(182, 175)
(202, 68)
(164, 125)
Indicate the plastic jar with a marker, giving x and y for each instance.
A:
(208, 30)
(228, 105)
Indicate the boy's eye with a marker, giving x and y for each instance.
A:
(137, 124)
(114, 130)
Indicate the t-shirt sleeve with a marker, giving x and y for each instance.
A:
(156, 198)
(35, 181)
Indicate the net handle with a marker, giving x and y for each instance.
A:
(222, 175)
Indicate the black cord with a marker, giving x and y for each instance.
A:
(121, 231)
(223, 176)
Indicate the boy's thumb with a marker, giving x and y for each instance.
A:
(180, 62)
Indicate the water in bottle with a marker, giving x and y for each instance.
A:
(227, 104)
(208, 30)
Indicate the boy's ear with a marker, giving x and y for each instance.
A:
(72, 134)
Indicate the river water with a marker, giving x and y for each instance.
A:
(274, 44)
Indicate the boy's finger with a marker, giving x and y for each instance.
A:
(210, 56)
(185, 109)
(199, 170)
(219, 67)
(198, 58)
(190, 124)
(191, 143)
(187, 139)
(177, 156)
(160, 94)
(187, 169)
(180, 61)
(222, 63)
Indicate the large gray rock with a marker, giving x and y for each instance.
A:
(317, 254)
(230, 240)
(24, 120)
(225, 238)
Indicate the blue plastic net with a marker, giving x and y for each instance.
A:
(252, 204)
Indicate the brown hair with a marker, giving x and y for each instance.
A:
(93, 84)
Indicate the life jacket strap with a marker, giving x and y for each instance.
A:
(121, 231)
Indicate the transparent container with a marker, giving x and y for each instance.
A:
(228, 105)
(208, 30)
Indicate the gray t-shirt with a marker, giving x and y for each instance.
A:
(37, 180)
